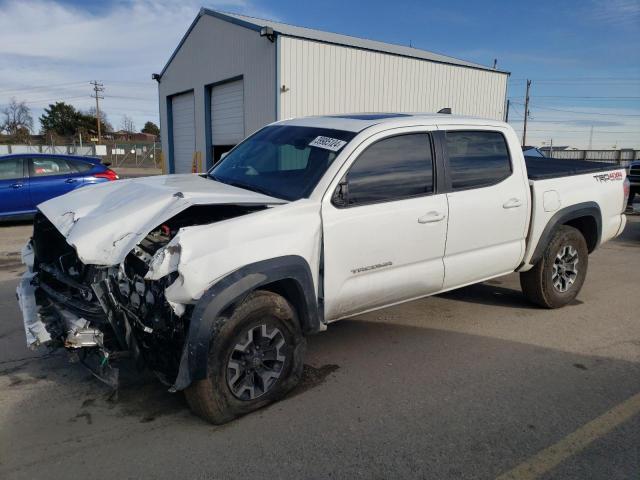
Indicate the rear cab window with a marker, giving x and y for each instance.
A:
(477, 158)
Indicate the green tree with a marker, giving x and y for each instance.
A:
(60, 118)
(105, 125)
(64, 120)
(151, 128)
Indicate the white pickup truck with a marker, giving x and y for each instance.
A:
(213, 281)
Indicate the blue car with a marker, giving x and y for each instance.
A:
(32, 178)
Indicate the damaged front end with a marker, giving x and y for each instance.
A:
(102, 313)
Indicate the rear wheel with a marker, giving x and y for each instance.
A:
(256, 357)
(559, 275)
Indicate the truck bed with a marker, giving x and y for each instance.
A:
(545, 168)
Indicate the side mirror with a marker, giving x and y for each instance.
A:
(340, 197)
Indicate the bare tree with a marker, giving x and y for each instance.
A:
(17, 118)
(127, 124)
(106, 125)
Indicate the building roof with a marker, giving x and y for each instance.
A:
(328, 37)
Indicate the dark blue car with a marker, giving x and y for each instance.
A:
(32, 178)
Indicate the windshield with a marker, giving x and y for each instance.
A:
(282, 161)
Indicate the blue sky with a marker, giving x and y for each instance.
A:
(583, 56)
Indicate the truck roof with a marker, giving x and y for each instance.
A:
(356, 122)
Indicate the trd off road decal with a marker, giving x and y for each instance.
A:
(609, 177)
(371, 267)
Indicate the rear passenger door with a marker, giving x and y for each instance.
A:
(488, 206)
(384, 226)
(51, 177)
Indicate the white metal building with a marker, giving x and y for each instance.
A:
(232, 74)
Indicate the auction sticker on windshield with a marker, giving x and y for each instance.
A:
(328, 143)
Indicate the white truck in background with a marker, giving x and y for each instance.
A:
(213, 281)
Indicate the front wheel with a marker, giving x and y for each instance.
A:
(256, 357)
(559, 275)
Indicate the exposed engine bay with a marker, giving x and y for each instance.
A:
(102, 313)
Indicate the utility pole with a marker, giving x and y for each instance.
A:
(526, 114)
(506, 117)
(591, 138)
(97, 88)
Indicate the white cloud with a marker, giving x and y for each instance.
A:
(50, 50)
(620, 13)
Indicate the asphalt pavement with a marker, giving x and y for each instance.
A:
(472, 384)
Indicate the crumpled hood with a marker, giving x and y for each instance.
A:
(104, 222)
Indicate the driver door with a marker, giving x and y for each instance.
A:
(384, 226)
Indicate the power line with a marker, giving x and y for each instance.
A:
(54, 99)
(561, 120)
(587, 113)
(127, 97)
(515, 110)
(578, 79)
(40, 87)
(562, 132)
(585, 97)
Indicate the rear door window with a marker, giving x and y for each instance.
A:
(11, 168)
(477, 158)
(80, 166)
(46, 167)
(392, 169)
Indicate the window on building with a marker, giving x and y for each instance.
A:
(477, 158)
(392, 169)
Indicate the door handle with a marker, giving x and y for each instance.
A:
(70, 180)
(17, 185)
(512, 203)
(432, 217)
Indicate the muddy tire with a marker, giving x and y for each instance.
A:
(559, 275)
(255, 358)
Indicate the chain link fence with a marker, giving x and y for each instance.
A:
(138, 155)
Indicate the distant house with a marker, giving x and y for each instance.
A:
(123, 136)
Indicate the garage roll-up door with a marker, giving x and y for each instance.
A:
(184, 131)
(227, 113)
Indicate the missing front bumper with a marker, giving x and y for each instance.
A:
(35, 330)
(84, 342)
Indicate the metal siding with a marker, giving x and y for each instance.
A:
(216, 50)
(184, 143)
(227, 113)
(324, 79)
